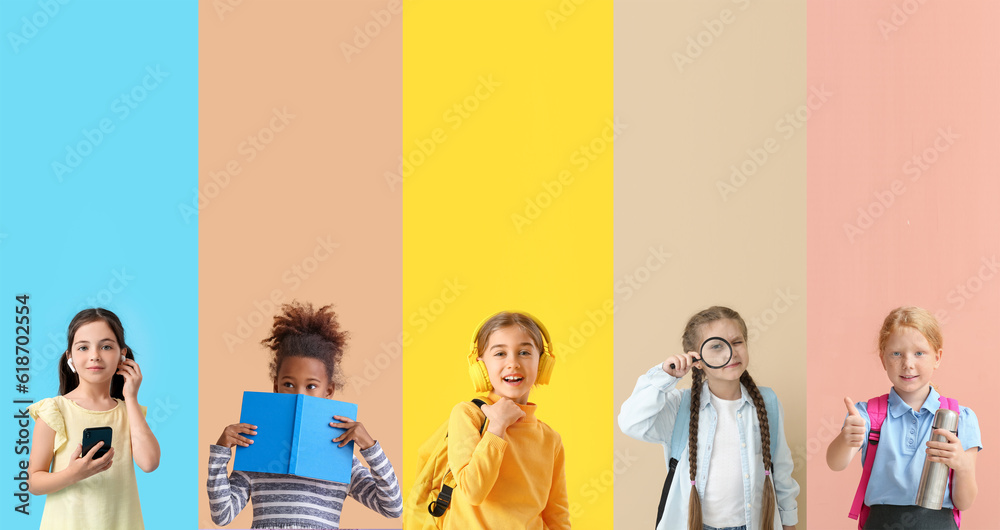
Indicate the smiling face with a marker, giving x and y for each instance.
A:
(909, 361)
(303, 375)
(95, 352)
(730, 330)
(511, 359)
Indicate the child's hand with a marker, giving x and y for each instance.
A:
(680, 364)
(355, 432)
(85, 466)
(133, 378)
(233, 435)
(854, 427)
(950, 452)
(503, 413)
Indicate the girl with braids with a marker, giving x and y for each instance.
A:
(308, 346)
(735, 472)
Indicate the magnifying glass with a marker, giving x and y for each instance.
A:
(715, 352)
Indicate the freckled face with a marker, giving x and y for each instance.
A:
(909, 360)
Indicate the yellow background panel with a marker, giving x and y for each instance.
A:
(506, 175)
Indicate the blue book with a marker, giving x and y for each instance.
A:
(294, 436)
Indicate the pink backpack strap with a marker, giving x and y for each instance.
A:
(952, 404)
(876, 415)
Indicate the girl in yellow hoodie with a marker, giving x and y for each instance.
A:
(512, 475)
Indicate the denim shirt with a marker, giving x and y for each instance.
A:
(649, 415)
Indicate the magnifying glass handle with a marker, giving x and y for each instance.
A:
(674, 366)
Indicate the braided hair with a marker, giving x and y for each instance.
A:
(689, 340)
(694, 503)
(767, 497)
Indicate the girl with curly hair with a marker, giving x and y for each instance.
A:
(308, 346)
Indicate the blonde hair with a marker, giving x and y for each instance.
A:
(505, 319)
(689, 340)
(914, 317)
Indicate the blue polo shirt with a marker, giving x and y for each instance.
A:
(902, 448)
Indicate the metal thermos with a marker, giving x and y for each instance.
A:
(934, 478)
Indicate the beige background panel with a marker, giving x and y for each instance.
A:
(308, 216)
(699, 84)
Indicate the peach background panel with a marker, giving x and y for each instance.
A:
(916, 83)
(317, 182)
(734, 242)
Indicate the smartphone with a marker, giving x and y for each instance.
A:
(91, 436)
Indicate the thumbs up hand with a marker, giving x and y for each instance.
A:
(846, 444)
(854, 426)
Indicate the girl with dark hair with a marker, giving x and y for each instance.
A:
(308, 346)
(98, 386)
(737, 480)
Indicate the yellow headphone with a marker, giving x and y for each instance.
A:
(477, 369)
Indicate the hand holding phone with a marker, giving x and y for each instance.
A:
(93, 435)
(95, 458)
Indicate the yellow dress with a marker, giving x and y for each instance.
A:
(108, 500)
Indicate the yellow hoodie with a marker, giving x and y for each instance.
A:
(518, 481)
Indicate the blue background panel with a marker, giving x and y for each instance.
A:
(98, 148)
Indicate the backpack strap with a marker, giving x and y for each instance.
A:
(877, 408)
(952, 404)
(479, 403)
(666, 489)
(438, 506)
(678, 441)
(679, 438)
(771, 406)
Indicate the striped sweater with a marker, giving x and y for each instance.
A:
(288, 501)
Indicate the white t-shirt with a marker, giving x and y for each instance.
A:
(722, 500)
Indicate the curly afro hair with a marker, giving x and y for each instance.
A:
(301, 331)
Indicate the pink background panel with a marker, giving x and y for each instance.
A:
(902, 210)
